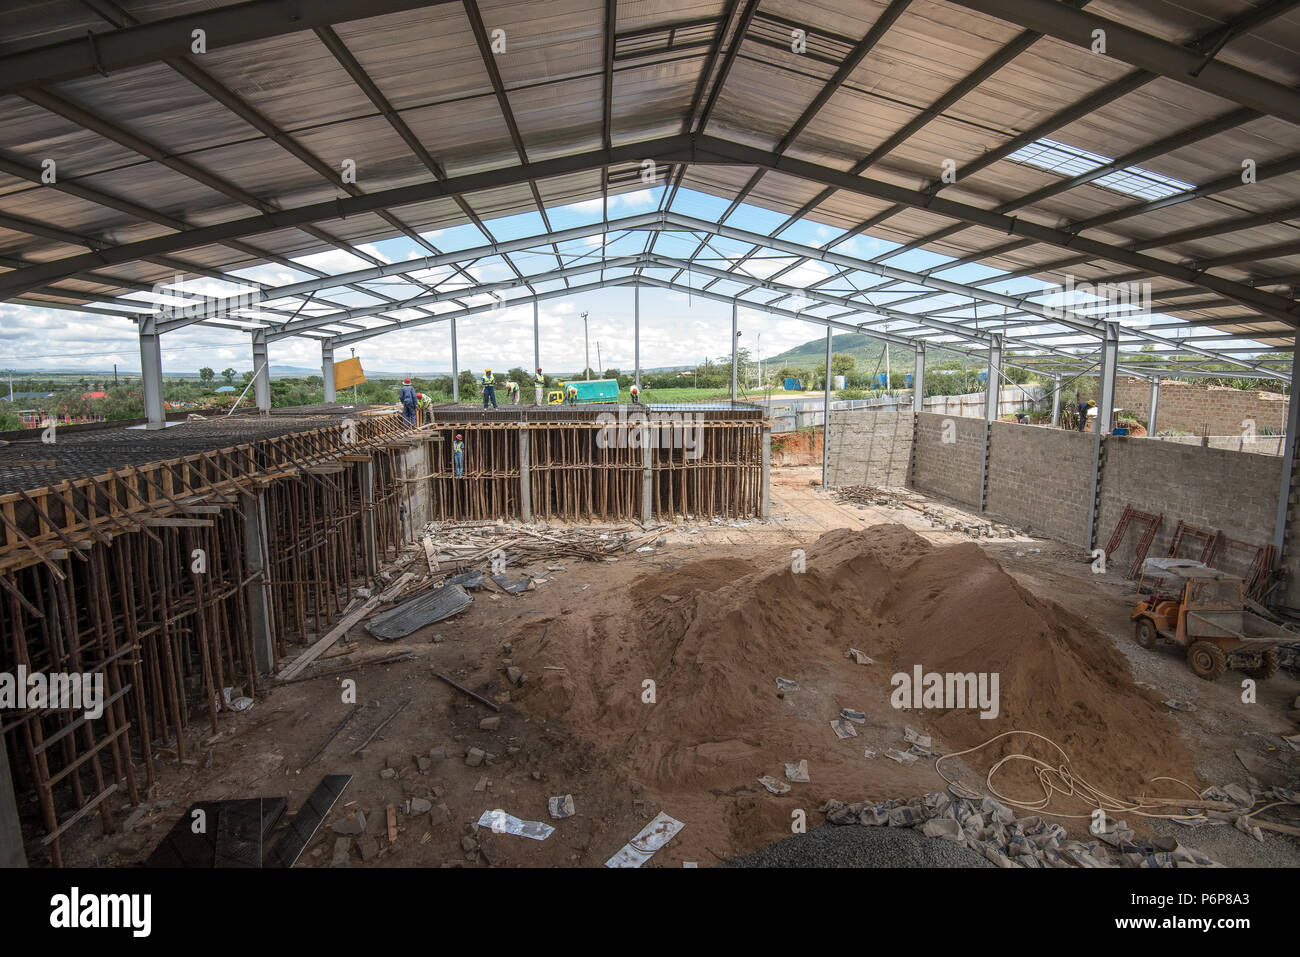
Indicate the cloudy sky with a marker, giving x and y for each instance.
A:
(676, 328)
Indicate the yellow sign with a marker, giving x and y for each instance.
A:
(348, 372)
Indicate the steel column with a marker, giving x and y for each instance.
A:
(151, 373)
(1288, 470)
(1154, 405)
(826, 416)
(455, 365)
(735, 343)
(327, 368)
(918, 380)
(1105, 409)
(1056, 401)
(261, 372)
(636, 338)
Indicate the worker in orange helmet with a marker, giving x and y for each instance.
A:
(408, 400)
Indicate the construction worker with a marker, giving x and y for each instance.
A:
(489, 389)
(408, 400)
(1083, 414)
(512, 392)
(573, 395)
(458, 455)
(539, 383)
(636, 394)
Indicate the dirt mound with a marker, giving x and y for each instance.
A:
(714, 636)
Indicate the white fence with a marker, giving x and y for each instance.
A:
(805, 411)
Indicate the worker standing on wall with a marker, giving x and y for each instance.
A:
(408, 400)
(573, 395)
(636, 394)
(539, 383)
(489, 389)
(424, 403)
(458, 455)
(1083, 413)
(512, 392)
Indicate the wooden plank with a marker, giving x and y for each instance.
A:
(338, 631)
(179, 522)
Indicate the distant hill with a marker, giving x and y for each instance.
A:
(867, 350)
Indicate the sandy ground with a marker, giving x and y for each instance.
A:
(533, 755)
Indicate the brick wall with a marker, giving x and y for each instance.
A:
(1235, 492)
(1189, 407)
(948, 468)
(1040, 479)
(870, 446)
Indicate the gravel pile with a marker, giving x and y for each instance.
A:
(831, 846)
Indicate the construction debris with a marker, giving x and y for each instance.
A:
(414, 614)
(990, 828)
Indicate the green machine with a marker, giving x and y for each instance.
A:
(589, 390)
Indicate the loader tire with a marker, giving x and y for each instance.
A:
(1269, 662)
(1144, 632)
(1207, 660)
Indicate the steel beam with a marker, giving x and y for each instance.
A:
(1146, 52)
(666, 149)
(102, 53)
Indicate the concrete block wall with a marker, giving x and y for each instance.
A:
(870, 446)
(1235, 492)
(1190, 407)
(948, 468)
(1040, 479)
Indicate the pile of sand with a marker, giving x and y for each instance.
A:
(714, 636)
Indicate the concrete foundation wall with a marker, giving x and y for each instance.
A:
(870, 446)
(946, 455)
(1195, 408)
(1040, 479)
(416, 498)
(1234, 492)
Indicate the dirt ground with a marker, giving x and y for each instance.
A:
(555, 739)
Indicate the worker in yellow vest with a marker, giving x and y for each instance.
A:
(458, 455)
(489, 389)
(636, 394)
(573, 395)
(512, 392)
(539, 383)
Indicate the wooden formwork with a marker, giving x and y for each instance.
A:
(101, 576)
(589, 470)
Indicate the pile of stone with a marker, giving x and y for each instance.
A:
(990, 828)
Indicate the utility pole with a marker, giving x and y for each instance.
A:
(354, 385)
(600, 362)
(586, 346)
